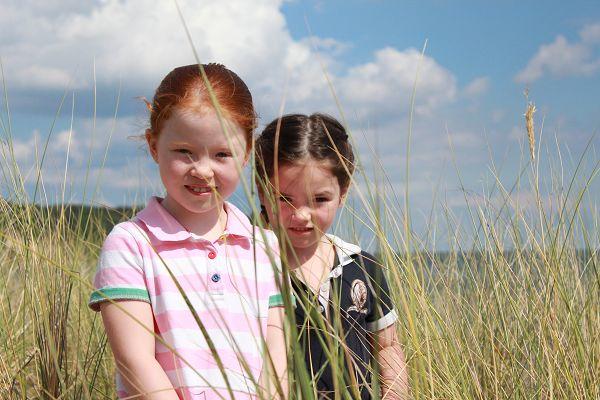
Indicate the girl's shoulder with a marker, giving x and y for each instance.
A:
(129, 234)
(346, 252)
(241, 224)
(266, 240)
(352, 253)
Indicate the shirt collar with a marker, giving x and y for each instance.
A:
(165, 228)
(343, 250)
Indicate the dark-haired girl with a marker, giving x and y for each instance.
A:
(344, 313)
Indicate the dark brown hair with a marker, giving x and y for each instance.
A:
(185, 88)
(318, 136)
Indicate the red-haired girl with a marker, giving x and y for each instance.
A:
(188, 296)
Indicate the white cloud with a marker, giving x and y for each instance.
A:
(85, 148)
(477, 86)
(139, 41)
(564, 58)
(590, 33)
(47, 45)
(21, 150)
(465, 140)
(327, 45)
(384, 86)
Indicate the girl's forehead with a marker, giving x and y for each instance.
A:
(305, 174)
(204, 126)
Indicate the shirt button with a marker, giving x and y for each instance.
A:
(212, 255)
(216, 278)
(321, 309)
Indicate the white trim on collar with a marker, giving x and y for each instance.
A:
(343, 249)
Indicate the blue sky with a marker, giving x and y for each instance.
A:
(480, 57)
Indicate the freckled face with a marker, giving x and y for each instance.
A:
(198, 162)
(308, 197)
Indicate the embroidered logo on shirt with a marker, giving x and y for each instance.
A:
(358, 293)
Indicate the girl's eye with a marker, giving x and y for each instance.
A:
(223, 154)
(183, 151)
(285, 199)
(321, 199)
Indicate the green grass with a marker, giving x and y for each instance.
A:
(510, 311)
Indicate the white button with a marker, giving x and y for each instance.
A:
(337, 271)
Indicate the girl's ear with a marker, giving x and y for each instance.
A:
(246, 159)
(263, 210)
(343, 196)
(151, 139)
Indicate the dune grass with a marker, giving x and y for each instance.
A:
(509, 309)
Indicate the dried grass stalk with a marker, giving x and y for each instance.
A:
(530, 131)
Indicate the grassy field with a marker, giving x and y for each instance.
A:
(510, 310)
(515, 314)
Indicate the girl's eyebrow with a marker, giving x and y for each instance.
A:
(180, 144)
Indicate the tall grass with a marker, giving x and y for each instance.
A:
(509, 309)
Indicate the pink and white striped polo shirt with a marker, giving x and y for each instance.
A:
(230, 283)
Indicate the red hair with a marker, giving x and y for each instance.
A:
(185, 88)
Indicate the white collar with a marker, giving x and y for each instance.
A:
(344, 251)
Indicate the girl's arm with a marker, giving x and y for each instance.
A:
(391, 362)
(132, 344)
(273, 378)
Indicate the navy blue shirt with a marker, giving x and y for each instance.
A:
(358, 303)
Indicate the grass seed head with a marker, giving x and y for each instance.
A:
(530, 131)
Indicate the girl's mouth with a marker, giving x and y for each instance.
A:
(200, 190)
(301, 229)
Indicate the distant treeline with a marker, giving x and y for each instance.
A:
(75, 217)
(98, 220)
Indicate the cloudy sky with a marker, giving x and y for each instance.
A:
(468, 110)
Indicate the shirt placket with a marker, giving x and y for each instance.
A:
(325, 290)
(216, 266)
(215, 274)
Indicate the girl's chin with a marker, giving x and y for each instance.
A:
(302, 240)
(194, 205)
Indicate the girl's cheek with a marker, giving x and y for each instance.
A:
(325, 214)
(178, 166)
(284, 215)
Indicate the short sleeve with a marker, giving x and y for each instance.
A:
(275, 296)
(381, 313)
(120, 271)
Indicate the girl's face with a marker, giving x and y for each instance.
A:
(198, 164)
(308, 198)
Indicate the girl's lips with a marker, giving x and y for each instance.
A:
(200, 190)
(301, 230)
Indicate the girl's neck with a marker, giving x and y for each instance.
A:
(320, 253)
(209, 225)
(312, 265)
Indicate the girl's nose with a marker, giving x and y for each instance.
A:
(202, 169)
(302, 214)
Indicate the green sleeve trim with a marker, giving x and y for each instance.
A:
(107, 294)
(276, 300)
